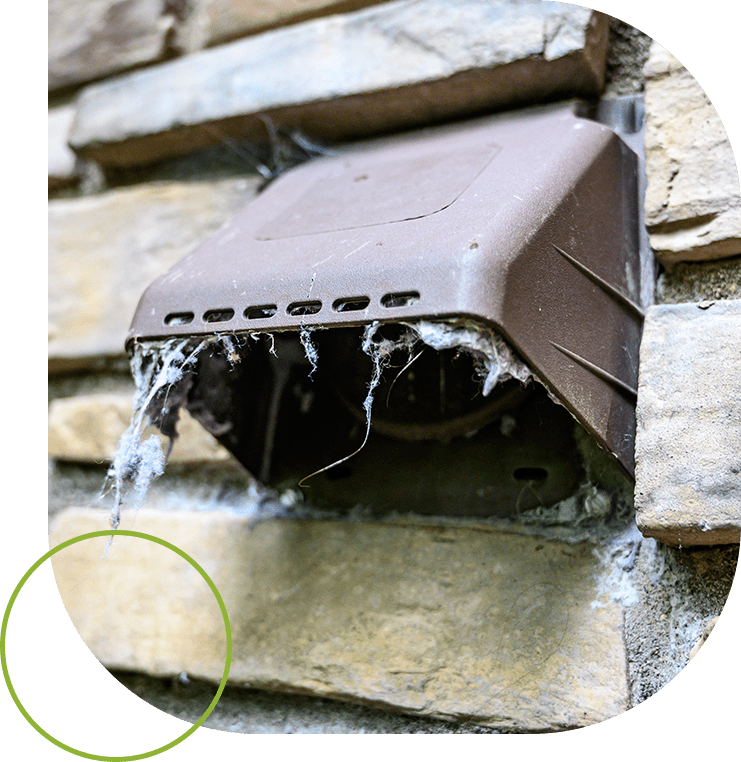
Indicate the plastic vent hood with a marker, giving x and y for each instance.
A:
(527, 223)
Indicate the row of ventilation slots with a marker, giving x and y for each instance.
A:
(296, 309)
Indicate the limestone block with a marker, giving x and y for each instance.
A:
(104, 250)
(62, 170)
(688, 439)
(88, 427)
(693, 202)
(448, 622)
(216, 21)
(89, 39)
(380, 69)
(715, 238)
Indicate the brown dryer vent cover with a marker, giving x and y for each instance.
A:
(527, 223)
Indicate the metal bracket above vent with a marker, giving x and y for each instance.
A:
(526, 223)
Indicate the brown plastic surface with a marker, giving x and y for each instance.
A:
(527, 222)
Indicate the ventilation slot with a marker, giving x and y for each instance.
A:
(351, 304)
(261, 312)
(218, 316)
(530, 474)
(179, 318)
(298, 309)
(401, 299)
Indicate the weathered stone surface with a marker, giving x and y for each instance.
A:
(62, 170)
(716, 238)
(88, 427)
(89, 39)
(216, 21)
(442, 621)
(384, 68)
(688, 439)
(105, 250)
(693, 202)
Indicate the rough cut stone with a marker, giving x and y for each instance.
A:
(105, 250)
(62, 169)
(377, 70)
(216, 21)
(693, 202)
(89, 39)
(716, 238)
(88, 427)
(688, 439)
(448, 622)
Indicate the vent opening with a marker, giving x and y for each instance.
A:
(401, 299)
(351, 304)
(299, 309)
(530, 474)
(179, 318)
(261, 312)
(218, 316)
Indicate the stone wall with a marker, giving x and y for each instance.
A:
(154, 109)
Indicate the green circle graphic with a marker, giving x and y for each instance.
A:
(165, 544)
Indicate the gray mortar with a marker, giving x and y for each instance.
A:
(626, 55)
(214, 163)
(679, 593)
(699, 281)
(71, 385)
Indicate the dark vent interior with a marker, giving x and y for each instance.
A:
(436, 444)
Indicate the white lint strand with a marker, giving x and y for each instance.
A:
(156, 368)
(312, 353)
(615, 582)
(380, 351)
(268, 337)
(231, 345)
(494, 359)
